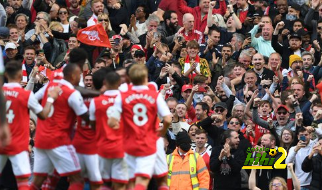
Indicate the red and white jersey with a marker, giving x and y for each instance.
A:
(19, 101)
(139, 107)
(125, 86)
(109, 141)
(85, 138)
(55, 130)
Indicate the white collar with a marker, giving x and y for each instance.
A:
(111, 92)
(66, 83)
(12, 84)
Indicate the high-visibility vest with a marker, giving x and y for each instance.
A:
(192, 169)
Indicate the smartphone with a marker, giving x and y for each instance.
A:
(117, 41)
(247, 35)
(41, 53)
(302, 138)
(290, 17)
(155, 35)
(201, 89)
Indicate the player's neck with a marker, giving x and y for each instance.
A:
(14, 80)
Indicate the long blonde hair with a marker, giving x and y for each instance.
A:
(284, 185)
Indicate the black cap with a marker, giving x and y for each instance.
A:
(302, 32)
(221, 105)
(295, 35)
(258, 13)
(139, 53)
(296, 6)
(182, 137)
(4, 31)
(106, 53)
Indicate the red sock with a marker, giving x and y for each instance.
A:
(51, 181)
(163, 187)
(76, 186)
(23, 185)
(33, 187)
(139, 187)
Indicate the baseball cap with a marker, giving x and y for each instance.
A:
(10, 45)
(186, 87)
(296, 6)
(221, 105)
(116, 36)
(136, 47)
(295, 35)
(282, 106)
(294, 58)
(4, 31)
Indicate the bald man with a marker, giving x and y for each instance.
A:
(189, 32)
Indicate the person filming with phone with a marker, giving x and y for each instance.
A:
(298, 153)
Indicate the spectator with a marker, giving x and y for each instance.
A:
(97, 8)
(169, 27)
(137, 21)
(189, 32)
(74, 7)
(117, 15)
(14, 8)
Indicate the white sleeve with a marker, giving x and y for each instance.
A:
(163, 109)
(92, 111)
(118, 103)
(76, 102)
(33, 104)
(40, 93)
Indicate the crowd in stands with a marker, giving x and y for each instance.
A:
(253, 67)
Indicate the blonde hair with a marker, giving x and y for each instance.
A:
(56, 26)
(284, 185)
(109, 27)
(138, 74)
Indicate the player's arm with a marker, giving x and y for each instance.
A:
(76, 102)
(164, 112)
(92, 119)
(87, 92)
(42, 113)
(114, 113)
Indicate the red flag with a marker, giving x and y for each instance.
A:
(94, 35)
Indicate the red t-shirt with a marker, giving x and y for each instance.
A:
(85, 138)
(18, 103)
(166, 5)
(109, 141)
(56, 130)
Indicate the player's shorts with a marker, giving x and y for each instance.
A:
(90, 168)
(142, 166)
(63, 158)
(20, 164)
(114, 170)
(161, 166)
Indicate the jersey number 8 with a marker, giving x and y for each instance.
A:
(140, 118)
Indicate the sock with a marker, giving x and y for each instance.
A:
(139, 187)
(163, 187)
(76, 186)
(33, 187)
(23, 185)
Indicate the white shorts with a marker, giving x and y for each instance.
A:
(161, 166)
(114, 170)
(90, 168)
(142, 166)
(20, 164)
(62, 158)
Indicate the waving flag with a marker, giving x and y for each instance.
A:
(94, 35)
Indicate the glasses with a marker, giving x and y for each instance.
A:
(139, 10)
(276, 184)
(232, 123)
(217, 110)
(105, 20)
(281, 112)
(320, 27)
(63, 12)
(38, 18)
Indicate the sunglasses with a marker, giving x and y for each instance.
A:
(319, 27)
(281, 112)
(105, 20)
(38, 18)
(63, 12)
(276, 184)
(217, 110)
(232, 123)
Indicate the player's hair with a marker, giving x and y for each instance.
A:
(284, 185)
(12, 69)
(69, 70)
(112, 78)
(201, 131)
(138, 74)
(78, 56)
(99, 76)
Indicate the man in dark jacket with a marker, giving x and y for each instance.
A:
(226, 162)
(14, 8)
(313, 164)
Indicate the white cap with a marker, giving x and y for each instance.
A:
(10, 45)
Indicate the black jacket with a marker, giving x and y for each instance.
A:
(314, 165)
(232, 180)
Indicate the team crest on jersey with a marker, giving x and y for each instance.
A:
(192, 169)
(92, 35)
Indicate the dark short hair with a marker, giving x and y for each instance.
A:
(99, 77)
(204, 106)
(13, 68)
